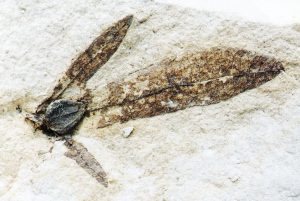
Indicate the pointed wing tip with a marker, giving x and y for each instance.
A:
(128, 19)
(130, 16)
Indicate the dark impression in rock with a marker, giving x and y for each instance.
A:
(63, 115)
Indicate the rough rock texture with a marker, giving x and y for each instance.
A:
(244, 148)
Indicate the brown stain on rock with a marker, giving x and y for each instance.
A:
(200, 78)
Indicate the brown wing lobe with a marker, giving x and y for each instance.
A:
(86, 160)
(87, 63)
(201, 78)
(100, 51)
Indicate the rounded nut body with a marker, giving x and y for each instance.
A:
(63, 115)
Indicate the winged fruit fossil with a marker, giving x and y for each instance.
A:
(59, 116)
(198, 78)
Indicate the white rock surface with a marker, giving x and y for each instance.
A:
(246, 148)
(277, 12)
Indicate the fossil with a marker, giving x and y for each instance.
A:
(57, 116)
(86, 160)
(199, 78)
(88, 62)
(61, 116)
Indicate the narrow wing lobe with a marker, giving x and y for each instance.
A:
(99, 52)
(88, 62)
(86, 160)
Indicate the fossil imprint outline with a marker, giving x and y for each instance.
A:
(201, 78)
(61, 116)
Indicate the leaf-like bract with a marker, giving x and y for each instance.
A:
(200, 78)
(88, 62)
